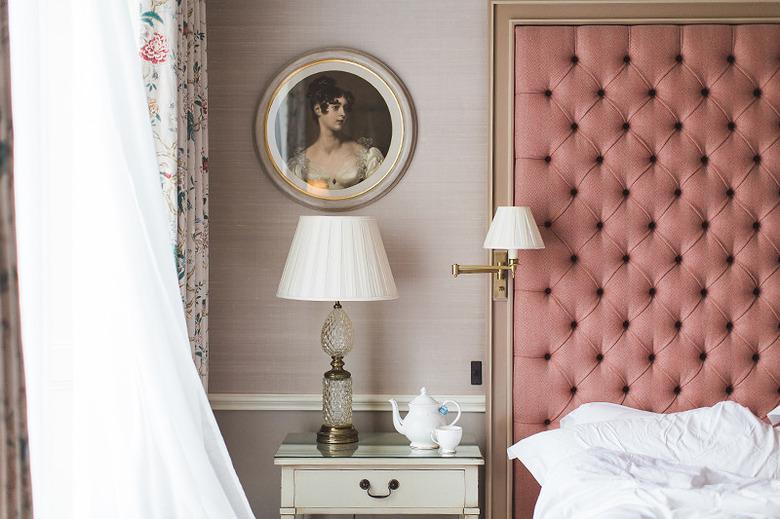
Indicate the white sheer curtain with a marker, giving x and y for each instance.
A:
(101, 309)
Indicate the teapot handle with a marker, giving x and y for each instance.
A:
(456, 405)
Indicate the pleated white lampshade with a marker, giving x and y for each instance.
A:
(513, 228)
(337, 258)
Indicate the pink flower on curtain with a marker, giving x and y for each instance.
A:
(156, 49)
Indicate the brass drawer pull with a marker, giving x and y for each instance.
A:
(366, 485)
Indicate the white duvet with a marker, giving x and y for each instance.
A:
(607, 484)
(610, 462)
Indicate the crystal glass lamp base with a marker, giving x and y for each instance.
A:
(336, 340)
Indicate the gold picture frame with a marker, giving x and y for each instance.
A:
(335, 129)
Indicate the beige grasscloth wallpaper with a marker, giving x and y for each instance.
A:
(436, 215)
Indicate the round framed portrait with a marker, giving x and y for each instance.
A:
(335, 129)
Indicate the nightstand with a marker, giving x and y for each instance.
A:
(379, 475)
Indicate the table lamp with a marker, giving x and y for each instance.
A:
(337, 258)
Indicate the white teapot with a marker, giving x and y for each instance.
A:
(425, 414)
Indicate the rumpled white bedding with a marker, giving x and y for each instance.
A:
(608, 484)
(726, 436)
(612, 462)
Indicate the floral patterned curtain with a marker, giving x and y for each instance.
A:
(16, 497)
(173, 49)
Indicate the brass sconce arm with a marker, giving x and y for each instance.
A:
(498, 270)
(501, 266)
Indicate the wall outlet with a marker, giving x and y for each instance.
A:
(476, 373)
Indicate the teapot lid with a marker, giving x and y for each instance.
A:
(423, 399)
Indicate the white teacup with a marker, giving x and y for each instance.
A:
(447, 437)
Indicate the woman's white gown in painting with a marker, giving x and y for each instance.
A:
(367, 161)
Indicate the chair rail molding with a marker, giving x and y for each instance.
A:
(313, 402)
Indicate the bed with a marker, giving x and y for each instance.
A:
(610, 461)
(650, 157)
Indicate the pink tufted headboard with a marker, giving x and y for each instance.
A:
(650, 156)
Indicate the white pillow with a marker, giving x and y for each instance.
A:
(540, 452)
(774, 416)
(725, 437)
(593, 412)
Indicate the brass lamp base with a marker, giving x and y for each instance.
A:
(334, 435)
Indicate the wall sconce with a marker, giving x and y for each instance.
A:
(513, 228)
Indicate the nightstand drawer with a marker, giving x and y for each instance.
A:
(416, 488)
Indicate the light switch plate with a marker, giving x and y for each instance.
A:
(476, 372)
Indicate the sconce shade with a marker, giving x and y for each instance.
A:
(513, 228)
(337, 258)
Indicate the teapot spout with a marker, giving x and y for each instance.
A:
(397, 422)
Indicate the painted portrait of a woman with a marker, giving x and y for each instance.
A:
(336, 157)
(335, 129)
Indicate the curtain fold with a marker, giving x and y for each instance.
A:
(192, 183)
(16, 498)
(141, 439)
(173, 51)
(157, 48)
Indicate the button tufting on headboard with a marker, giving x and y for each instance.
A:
(660, 146)
(657, 195)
